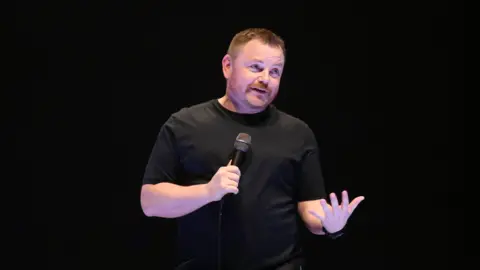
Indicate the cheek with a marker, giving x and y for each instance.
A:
(274, 84)
(238, 84)
(244, 80)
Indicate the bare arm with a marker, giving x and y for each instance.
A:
(312, 223)
(168, 200)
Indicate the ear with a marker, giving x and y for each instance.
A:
(227, 66)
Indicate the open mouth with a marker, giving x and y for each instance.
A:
(259, 90)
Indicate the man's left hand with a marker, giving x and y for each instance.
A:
(335, 216)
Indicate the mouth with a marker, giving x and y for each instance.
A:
(259, 90)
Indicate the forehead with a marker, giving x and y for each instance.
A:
(256, 50)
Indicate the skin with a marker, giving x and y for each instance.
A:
(258, 65)
(255, 65)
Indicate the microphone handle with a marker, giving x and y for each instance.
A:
(237, 157)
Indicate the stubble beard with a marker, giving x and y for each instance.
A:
(238, 97)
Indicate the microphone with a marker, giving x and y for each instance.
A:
(241, 145)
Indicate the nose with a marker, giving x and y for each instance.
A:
(264, 77)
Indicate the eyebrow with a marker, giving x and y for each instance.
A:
(260, 61)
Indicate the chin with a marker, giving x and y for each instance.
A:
(257, 103)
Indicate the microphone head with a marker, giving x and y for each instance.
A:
(242, 142)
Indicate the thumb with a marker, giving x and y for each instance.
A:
(229, 162)
(315, 214)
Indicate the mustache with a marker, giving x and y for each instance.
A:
(262, 87)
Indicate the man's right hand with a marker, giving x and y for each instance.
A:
(224, 181)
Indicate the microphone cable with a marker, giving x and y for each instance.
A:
(241, 146)
(219, 238)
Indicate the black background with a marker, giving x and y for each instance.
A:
(381, 85)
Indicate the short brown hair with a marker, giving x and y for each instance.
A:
(264, 35)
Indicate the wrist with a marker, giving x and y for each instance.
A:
(206, 193)
(333, 234)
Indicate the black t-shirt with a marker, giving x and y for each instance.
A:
(259, 228)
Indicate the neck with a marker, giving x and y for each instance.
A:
(229, 104)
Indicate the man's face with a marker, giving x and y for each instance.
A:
(254, 75)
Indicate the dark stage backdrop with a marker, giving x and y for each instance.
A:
(373, 82)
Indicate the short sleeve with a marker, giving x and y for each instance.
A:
(311, 181)
(164, 160)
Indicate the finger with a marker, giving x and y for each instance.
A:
(229, 163)
(345, 200)
(233, 169)
(355, 203)
(334, 202)
(233, 176)
(229, 182)
(232, 189)
(325, 206)
(315, 214)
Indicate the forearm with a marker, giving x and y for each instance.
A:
(168, 200)
(317, 229)
(314, 225)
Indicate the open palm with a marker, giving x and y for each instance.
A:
(335, 216)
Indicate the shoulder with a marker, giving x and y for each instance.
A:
(288, 121)
(189, 112)
(298, 129)
(192, 116)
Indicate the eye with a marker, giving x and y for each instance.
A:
(276, 72)
(256, 67)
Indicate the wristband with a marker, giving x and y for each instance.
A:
(334, 235)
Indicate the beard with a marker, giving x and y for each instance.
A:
(244, 98)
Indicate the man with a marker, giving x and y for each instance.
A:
(241, 217)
